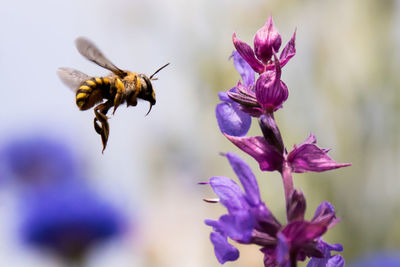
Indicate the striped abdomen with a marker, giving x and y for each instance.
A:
(92, 91)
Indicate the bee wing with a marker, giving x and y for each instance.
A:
(72, 78)
(92, 53)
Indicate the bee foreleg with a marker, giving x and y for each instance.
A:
(120, 93)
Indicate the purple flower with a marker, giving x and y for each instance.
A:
(267, 41)
(246, 211)
(36, 160)
(249, 221)
(67, 219)
(264, 96)
(303, 158)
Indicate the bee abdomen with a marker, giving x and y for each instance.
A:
(91, 92)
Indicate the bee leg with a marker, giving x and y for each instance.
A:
(97, 127)
(103, 129)
(120, 93)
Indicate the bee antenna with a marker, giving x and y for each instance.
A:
(158, 71)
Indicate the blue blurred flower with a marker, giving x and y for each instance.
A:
(68, 219)
(37, 160)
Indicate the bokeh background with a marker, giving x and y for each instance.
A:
(343, 83)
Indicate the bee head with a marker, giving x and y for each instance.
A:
(147, 92)
(146, 88)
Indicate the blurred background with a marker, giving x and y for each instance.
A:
(343, 85)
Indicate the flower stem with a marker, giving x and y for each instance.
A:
(293, 259)
(287, 180)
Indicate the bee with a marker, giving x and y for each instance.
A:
(103, 93)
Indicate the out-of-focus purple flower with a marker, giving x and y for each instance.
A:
(68, 219)
(303, 158)
(378, 259)
(266, 41)
(249, 221)
(36, 159)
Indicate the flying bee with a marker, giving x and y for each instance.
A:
(118, 87)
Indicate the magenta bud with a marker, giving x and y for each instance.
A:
(266, 39)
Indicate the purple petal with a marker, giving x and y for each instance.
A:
(238, 226)
(222, 249)
(244, 69)
(231, 120)
(289, 51)
(317, 262)
(327, 248)
(229, 193)
(300, 233)
(325, 214)
(311, 139)
(271, 92)
(223, 96)
(269, 256)
(214, 224)
(266, 155)
(309, 157)
(327, 260)
(335, 261)
(246, 177)
(267, 39)
(282, 251)
(247, 54)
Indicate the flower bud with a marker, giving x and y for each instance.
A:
(266, 39)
